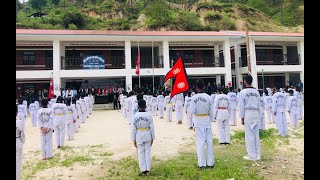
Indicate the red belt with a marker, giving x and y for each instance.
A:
(222, 108)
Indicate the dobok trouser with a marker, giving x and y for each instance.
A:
(144, 154)
(252, 138)
(204, 146)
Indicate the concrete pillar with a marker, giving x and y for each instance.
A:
(284, 50)
(287, 78)
(165, 53)
(253, 63)
(218, 79)
(237, 55)
(227, 62)
(127, 51)
(301, 53)
(58, 51)
(216, 56)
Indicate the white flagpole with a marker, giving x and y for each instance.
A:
(139, 64)
(152, 70)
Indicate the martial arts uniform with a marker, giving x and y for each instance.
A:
(168, 104)
(149, 102)
(178, 101)
(233, 108)
(187, 109)
(154, 103)
(292, 110)
(33, 111)
(202, 108)
(71, 115)
(19, 147)
(268, 105)
(123, 106)
(299, 105)
(79, 118)
(59, 111)
(221, 112)
(25, 103)
(45, 120)
(87, 104)
(128, 106)
(160, 100)
(22, 113)
(278, 107)
(262, 124)
(249, 104)
(142, 131)
(83, 109)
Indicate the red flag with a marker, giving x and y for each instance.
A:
(51, 89)
(138, 64)
(181, 83)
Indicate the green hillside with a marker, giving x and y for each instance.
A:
(187, 15)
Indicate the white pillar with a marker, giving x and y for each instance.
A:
(301, 52)
(286, 78)
(284, 50)
(216, 55)
(227, 62)
(237, 54)
(218, 79)
(58, 51)
(127, 51)
(253, 63)
(165, 53)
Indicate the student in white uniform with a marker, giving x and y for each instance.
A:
(268, 105)
(79, 113)
(52, 101)
(202, 109)
(25, 103)
(221, 112)
(135, 107)
(238, 95)
(262, 123)
(168, 104)
(278, 108)
(249, 102)
(37, 103)
(128, 106)
(83, 108)
(19, 144)
(154, 103)
(187, 110)
(213, 95)
(70, 119)
(33, 111)
(59, 111)
(292, 109)
(88, 105)
(45, 122)
(22, 112)
(233, 106)
(178, 101)
(123, 105)
(142, 135)
(149, 102)
(160, 100)
(299, 96)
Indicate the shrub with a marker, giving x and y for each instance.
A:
(212, 16)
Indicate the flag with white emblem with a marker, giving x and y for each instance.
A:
(179, 73)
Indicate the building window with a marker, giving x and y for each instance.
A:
(29, 58)
(188, 56)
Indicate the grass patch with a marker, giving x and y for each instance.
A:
(106, 154)
(97, 146)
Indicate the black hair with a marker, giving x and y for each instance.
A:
(290, 91)
(20, 101)
(139, 91)
(54, 96)
(139, 96)
(142, 104)
(130, 93)
(248, 79)
(59, 99)
(44, 102)
(16, 110)
(33, 100)
(230, 88)
(200, 84)
(189, 93)
(261, 92)
(68, 102)
(266, 92)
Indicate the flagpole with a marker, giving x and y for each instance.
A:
(248, 48)
(139, 65)
(262, 80)
(152, 69)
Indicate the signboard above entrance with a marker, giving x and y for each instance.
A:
(93, 62)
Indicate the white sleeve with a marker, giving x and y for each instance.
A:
(259, 109)
(133, 130)
(274, 102)
(241, 105)
(215, 107)
(211, 112)
(193, 107)
(151, 126)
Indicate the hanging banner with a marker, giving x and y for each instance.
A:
(93, 62)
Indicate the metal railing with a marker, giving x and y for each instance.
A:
(30, 67)
(205, 62)
(146, 62)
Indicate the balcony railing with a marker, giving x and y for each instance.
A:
(276, 63)
(146, 62)
(205, 62)
(73, 63)
(30, 67)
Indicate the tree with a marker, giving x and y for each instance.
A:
(55, 2)
(158, 14)
(38, 4)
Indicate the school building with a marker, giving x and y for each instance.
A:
(72, 57)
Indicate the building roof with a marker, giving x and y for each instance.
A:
(152, 33)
